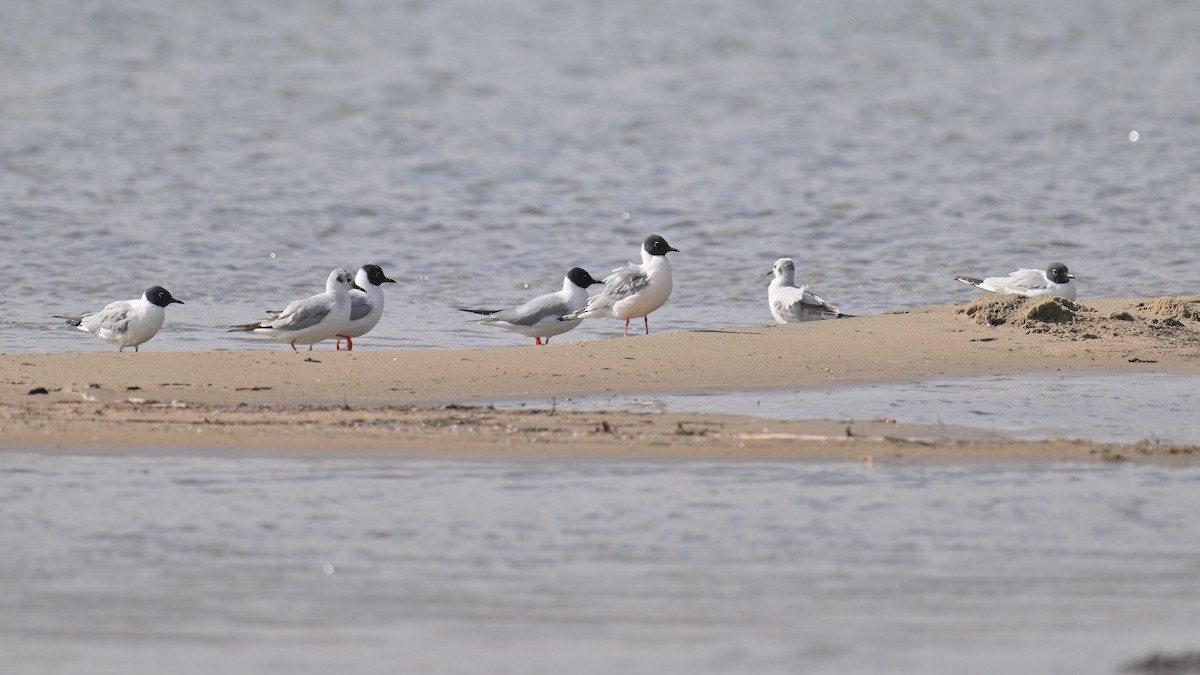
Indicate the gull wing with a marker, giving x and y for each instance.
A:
(543, 308)
(301, 314)
(360, 306)
(114, 319)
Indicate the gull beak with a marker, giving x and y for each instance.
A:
(174, 300)
(354, 285)
(390, 281)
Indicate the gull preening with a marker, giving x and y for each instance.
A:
(1055, 280)
(539, 318)
(127, 323)
(633, 290)
(311, 320)
(792, 304)
(366, 304)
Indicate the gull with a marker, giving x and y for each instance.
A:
(127, 323)
(633, 290)
(366, 305)
(1056, 280)
(308, 321)
(792, 304)
(539, 318)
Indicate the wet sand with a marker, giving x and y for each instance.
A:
(437, 403)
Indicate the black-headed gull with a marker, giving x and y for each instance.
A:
(538, 318)
(127, 323)
(633, 290)
(311, 320)
(1055, 280)
(366, 305)
(792, 304)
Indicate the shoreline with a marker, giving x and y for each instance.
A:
(434, 403)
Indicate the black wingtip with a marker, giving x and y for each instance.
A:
(484, 312)
(969, 280)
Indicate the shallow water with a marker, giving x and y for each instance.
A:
(1121, 408)
(236, 153)
(185, 564)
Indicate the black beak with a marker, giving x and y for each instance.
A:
(174, 300)
(354, 285)
(390, 281)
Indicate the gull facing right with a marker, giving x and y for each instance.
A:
(539, 318)
(1056, 280)
(633, 290)
(366, 304)
(127, 323)
(312, 319)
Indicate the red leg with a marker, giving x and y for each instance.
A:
(626, 327)
(349, 344)
(537, 341)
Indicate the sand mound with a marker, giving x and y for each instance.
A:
(1174, 320)
(1173, 308)
(1016, 310)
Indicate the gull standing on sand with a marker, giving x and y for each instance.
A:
(539, 318)
(633, 290)
(127, 323)
(311, 320)
(1056, 280)
(366, 305)
(792, 304)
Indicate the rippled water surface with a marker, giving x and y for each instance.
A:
(236, 152)
(152, 564)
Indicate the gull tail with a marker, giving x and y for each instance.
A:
(847, 316)
(244, 328)
(76, 321)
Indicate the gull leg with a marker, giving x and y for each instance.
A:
(294, 346)
(626, 327)
(647, 318)
(349, 344)
(537, 341)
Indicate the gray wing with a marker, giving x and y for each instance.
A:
(622, 283)
(360, 306)
(113, 319)
(1021, 281)
(301, 314)
(545, 307)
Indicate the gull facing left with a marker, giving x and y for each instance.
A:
(311, 320)
(792, 304)
(127, 323)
